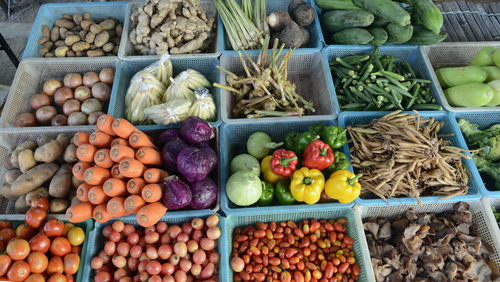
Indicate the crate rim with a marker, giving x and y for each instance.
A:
(486, 202)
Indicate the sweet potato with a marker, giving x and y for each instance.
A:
(48, 152)
(40, 191)
(61, 182)
(33, 178)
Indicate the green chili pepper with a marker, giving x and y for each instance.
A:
(340, 162)
(283, 194)
(267, 194)
(289, 141)
(303, 140)
(335, 136)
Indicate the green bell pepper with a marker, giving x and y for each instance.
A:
(267, 194)
(283, 194)
(303, 140)
(289, 141)
(316, 129)
(335, 136)
(340, 162)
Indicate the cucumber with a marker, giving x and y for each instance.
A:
(469, 95)
(339, 20)
(352, 36)
(449, 77)
(492, 73)
(379, 36)
(483, 57)
(386, 9)
(428, 14)
(424, 36)
(337, 5)
(380, 22)
(398, 34)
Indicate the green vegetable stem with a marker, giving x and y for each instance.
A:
(283, 194)
(267, 194)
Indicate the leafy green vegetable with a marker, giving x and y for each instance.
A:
(487, 140)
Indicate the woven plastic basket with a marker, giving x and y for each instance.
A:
(479, 218)
(234, 221)
(29, 79)
(48, 13)
(452, 55)
(127, 51)
(356, 118)
(487, 204)
(306, 70)
(127, 69)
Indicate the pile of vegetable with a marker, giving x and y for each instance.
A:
(475, 85)
(77, 100)
(402, 155)
(293, 173)
(496, 214)
(40, 248)
(163, 252)
(311, 250)
(487, 144)
(418, 246)
(175, 27)
(81, 36)
(378, 22)
(41, 169)
(379, 83)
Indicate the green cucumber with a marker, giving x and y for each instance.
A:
(449, 77)
(483, 57)
(492, 73)
(424, 36)
(339, 20)
(337, 5)
(398, 34)
(386, 9)
(469, 95)
(352, 36)
(428, 14)
(379, 36)
(380, 22)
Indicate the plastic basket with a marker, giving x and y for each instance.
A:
(487, 204)
(29, 79)
(127, 69)
(409, 54)
(315, 41)
(127, 51)
(48, 13)
(306, 70)
(97, 241)
(356, 118)
(452, 55)
(479, 219)
(484, 120)
(234, 221)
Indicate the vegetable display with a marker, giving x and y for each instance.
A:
(496, 214)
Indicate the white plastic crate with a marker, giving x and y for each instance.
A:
(487, 204)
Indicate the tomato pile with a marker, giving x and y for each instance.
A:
(163, 252)
(313, 250)
(38, 250)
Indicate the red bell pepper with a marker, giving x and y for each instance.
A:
(318, 155)
(284, 162)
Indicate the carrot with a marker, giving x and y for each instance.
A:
(97, 196)
(115, 207)
(138, 139)
(119, 141)
(122, 128)
(154, 175)
(148, 156)
(79, 169)
(119, 152)
(133, 203)
(85, 153)
(115, 171)
(114, 187)
(130, 168)
(135, 185)
(82, 192)
(150, 214)
(96, 175)
(101, 214)
(100, 139)
(151, 193)
(103, 159)
(79, 212)
(104, 124)
(81, 138)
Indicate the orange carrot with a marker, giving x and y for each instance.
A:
(122, 128)
(148, 156)
(81, 138)
(101, 214)
(100, 139)
(115, 171)
(79, 212)
(114, 187)
(97, 196)
(138, 139)
(151, 193)
(154, 175)
(115, 207)
(104, 124)
(133, 203)
(85, 153)
(82, 192)
(103, 159)
(150, 214)
(119, 152)
(130, 168)
(96, 175)
(135, 185)
(79, 169)
(119, 141)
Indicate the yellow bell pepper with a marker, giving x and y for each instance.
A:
(307, 184)
(269, 175)
(343, 186)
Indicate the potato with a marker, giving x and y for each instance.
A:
(50, 55)
(86, 16)
(45, 114)
(14, 156)
(96, 29)
(77, 118)
(90, 78)
(61, 182)
(60, 43)
(26, 120)
(6, 192)
(50, 86)
(11, 175)
(33, 178)
(44, 51)
(76, 182)
(90, 37)
(86, 24)
(70, 53)
(61, 51)
(54, 34)
(67, 17)
(38, 192)
(49, 45)
(63, 33)
(82, 93)
(42, 140)
(111, 33)
(71, 106)
(62, 95)
(64, 23)
(59, 120)
(119, 29)
(43, 40)
(76, 29)
(80, 46)
(63, 140)
(108, 47)
(107, 75)
(101, 91)
(39, 100)
(116, 41)
(48, 152)
(26, 160)
(58, 206)
(70, 153)
(20, 204)
(95, 53)
(72, 80)
(77, 18)
(91, 105)
(101, 39)
(83, 33)
(107, 24)
(72, 39)
(27, 145)
(93, 117)
(46, 31)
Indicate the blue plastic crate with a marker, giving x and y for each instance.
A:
(411, 54)
(484, 120)
(233, 139)
(48, 13)
(127, 69)
(315, 41)
(450, 127)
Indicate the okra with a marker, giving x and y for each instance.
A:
(427, 107)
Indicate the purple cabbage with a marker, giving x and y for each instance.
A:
(195, 130)
(204, 194)
(167, 136)
(170, 152)
(177, 194)
(194, 164)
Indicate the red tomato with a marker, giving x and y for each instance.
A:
(19, 271)
(102, 276)
(41, 202)
(35, 278)
(55, 265)
(6, 234)
(71, 263)
(35, 216)
(53, 228)
(57, 277)
(40, 243)
(18, 249)
(60, 246)
(5, 224)
(24, 231)
(38, 262)
(4, 264)
(70, 278)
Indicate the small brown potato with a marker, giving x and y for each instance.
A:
(39, 100)
(67, 17)
(42, 140)
(83, 34)
(58, 206)
(91, 105)
(90, 78)
(43, 40)
(59, 120)
(11, 175)
(111, 33)
(20, 205)
(59, 43)
(76, 29)
(70, 153)
(86, 24)
(26, 120)
(43, 51)
(49, 45)
(6, 192)
(54, 34)
(61, 182)
(71, 106)
(101, 39)
(64, 23)
(32, 145)
(107, 75)
(48, 152)
(61, 51)
(72, 39)
(46, 31)
(95, 28)
(107, 24)
(73, 80)
(90, 37)
(119, 29)
(33, 178)
(45, 114)
(116, 41)
(80, 54)
(50, 55)
(95, 53)
(87, 16)
(101, 91)
(14, 157)
(82, 93)
(50, 86)
(63, 33)
(108, 47)
(70, 53)
(62, 95)
(38, 192)
(63, 140)
(77, 118)
(77, 18)
(76, 182)
(26, 160)
(93, 117)
(80, 46)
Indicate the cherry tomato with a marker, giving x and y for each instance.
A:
(110, 248)
(212, 220)
(35, 216)
(114, 236)
(76, 236)
(106, 231)
(18, 249)
(57, 277)
(24, 231)
(41, 202)
(197, 223)
(60, 246)
(123, 249)
(71, 263)
(38, 262)
(53, 228)
(153, 267)
(128, 229)
(35, 278)
(119, 273)
(40, 243)
(118, 225)
(19, 271)
(5, 261)
(161, 227)
(6, 234)
(96, 262)
(102, 277)
(67, 227)
(5, 224)
(55, 265)
(119, 261)
(70, 278)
